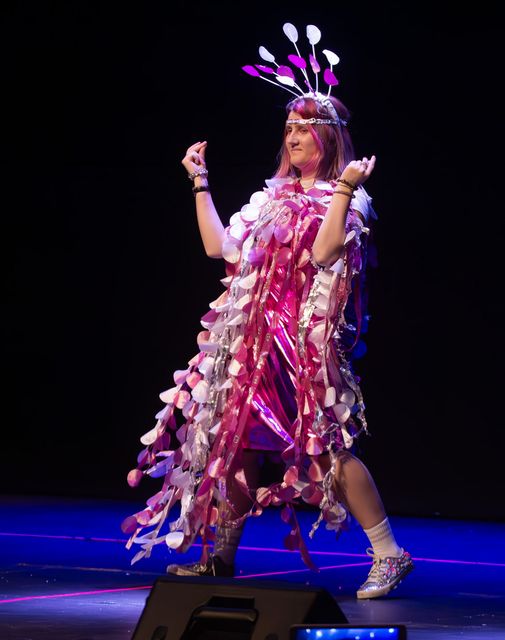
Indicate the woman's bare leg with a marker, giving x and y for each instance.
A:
(356, 489)
(241, 500)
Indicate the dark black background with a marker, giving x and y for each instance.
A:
(105, 275)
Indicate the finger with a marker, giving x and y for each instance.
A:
(202, 150)
(192, 147)
(367, 173)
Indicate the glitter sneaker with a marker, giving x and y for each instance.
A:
(385, 575)
(213, 567)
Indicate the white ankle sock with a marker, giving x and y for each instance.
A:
(383, 541)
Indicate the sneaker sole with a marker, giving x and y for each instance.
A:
(178, 570)
(185, 570)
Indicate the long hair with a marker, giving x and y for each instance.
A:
(335, 151)
(333, 141)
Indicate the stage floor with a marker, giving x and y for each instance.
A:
(65, 574)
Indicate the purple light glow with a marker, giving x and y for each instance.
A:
(282, 573)
(101, 591)
(259, 549)
(54, 537)
(71, 595)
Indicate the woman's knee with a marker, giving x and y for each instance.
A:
(342, 461)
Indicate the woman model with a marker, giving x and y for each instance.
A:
(272, 378)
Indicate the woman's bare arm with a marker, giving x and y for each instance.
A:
(329, 243)
(209, 223)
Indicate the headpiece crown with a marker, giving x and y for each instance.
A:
(284, 76)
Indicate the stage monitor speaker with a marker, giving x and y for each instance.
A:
(203, 608)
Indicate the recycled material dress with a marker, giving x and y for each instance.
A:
(272, 373)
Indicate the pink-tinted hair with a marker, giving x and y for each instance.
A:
(333, 141)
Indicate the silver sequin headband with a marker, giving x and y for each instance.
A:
(314, 121)
(284, 76)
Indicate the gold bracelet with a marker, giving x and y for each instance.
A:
(344, 193)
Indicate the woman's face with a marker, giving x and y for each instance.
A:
(300, 144)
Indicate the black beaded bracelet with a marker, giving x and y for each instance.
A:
(196, 190)
(347, 183)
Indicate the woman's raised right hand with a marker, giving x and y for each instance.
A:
(357, 171)
(195, 157)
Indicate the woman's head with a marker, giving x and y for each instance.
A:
(322, 149)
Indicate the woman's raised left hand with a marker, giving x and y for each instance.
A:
(357, 171)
